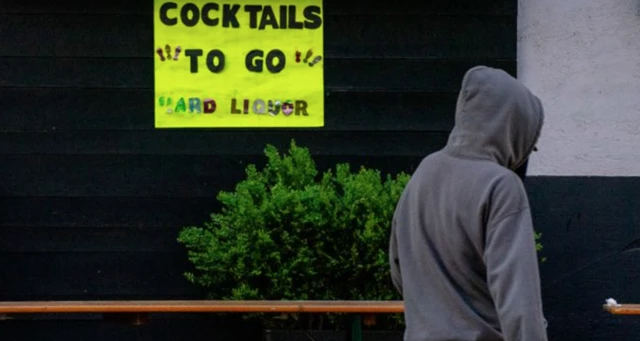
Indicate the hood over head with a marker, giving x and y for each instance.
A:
(497, 118)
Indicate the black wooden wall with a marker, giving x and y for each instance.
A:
(92, 197)
(591, 237)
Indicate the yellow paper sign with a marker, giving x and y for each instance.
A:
(239, 63)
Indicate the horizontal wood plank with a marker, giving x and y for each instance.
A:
(40, 217)
(64, 109)
(331, 7)
(115, 239)
(159, 176)
(220, 143)
(354, 36)
(95, 276)
(340, 74)
(201, 307)
(105, 276)
(165, 327)
(622, 309)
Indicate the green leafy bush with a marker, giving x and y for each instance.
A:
(290, 232)
(538, 237)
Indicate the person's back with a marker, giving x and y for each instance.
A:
(462, 249)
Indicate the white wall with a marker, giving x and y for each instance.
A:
(582, 57)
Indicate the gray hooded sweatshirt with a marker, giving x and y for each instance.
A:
(462, 248)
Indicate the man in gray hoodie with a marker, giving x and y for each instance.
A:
(462, 248)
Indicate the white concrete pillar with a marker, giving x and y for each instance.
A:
(582, 57)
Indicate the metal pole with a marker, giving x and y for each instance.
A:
(356, 328)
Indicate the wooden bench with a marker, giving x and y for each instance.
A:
(137, 311)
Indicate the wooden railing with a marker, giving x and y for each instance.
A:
(622, 309)
(137, 311)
